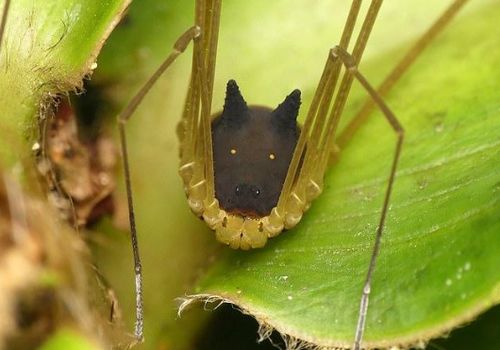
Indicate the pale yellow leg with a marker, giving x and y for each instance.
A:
(195, 135)
(304, 182)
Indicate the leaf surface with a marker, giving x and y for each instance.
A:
(438, 258)
(438, 265)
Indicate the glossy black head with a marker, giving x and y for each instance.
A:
(252, 148)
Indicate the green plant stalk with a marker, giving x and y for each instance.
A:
(48, 48)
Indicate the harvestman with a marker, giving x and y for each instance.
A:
(250, 210)
(208, 151)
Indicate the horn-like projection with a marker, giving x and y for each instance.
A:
(286, 113)
(235, 109)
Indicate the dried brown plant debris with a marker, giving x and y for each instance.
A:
(79, 172)
(46, 278)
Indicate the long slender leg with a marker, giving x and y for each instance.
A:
(290, 206)
(395, 75)
(195, 134)
(319, 107)
(179, 47)
(304, 183)
(351, 66)
(206, 83)
(345, 86)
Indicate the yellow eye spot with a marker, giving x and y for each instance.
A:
(272, 156)
(233, 151)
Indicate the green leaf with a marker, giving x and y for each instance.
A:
(439, 261)
(442, 220)
(48, 48)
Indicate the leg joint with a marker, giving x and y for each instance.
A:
(184, 40)
(400, 131)
(345, 57)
